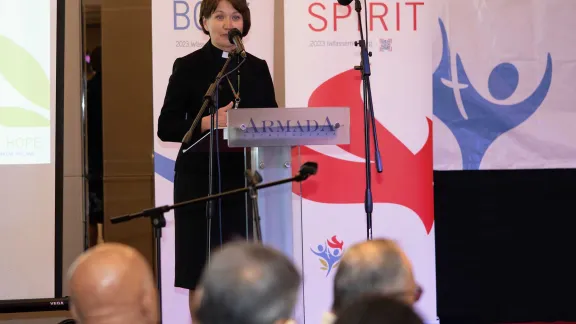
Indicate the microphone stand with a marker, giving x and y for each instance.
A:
(210, 99)
(252, 181)
(369, 119)
(158, 220)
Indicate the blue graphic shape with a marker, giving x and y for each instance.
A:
(485, 120)
(164, 167)
(331, 257)
(503, 81)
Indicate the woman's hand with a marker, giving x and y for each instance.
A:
(222, 122)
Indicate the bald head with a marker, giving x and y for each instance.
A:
(373, 267)
(112, 283)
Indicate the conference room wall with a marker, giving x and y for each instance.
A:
(126, 40)
(73, 215)
(279, 77)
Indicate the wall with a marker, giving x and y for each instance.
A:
(127, 120)
(279, 67)
(92, 37)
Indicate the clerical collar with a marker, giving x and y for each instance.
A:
(217, 52)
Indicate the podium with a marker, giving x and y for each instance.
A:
(272, 134)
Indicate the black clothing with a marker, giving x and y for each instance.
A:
(95, 150)
(191, 77)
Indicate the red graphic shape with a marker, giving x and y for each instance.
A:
(406, 179)
(335, 244)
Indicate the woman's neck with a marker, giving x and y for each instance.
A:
(228, 49)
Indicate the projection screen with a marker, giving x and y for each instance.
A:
(31, 132)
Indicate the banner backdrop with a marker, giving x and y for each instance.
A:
(504, 83)
(320, 60)
(176, 33)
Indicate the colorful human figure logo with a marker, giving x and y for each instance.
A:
(475, 121)
(330, 253)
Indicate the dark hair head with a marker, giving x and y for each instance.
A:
(208, 7)
(378, 266)
(376, 309)
(247, 283)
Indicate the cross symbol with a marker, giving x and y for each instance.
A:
(457, 86)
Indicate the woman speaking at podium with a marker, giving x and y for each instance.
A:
(250, 87)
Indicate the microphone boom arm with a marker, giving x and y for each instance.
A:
(208, 100)
(307, 169)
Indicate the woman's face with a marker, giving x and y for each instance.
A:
(222, 20)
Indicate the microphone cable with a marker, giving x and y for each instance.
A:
(218, 170)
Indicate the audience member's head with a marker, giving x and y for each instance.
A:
(247, 283)
(112, 283)
(378, 309)
(374, 267)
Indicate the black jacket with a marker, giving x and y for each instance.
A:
(190, 79)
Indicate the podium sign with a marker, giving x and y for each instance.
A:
(260, 127)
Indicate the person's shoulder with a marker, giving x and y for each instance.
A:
(190, 59)
(257, 61)
(193, 59)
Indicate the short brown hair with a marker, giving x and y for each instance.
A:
(208, 7)
(378, 266)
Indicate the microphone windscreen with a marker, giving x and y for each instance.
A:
(233, 33)
(309, 168)
(344, 2)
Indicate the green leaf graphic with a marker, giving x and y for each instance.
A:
(24, 73)
(18, 117)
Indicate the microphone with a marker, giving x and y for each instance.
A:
(344, 2)
(235, 37)
(306, 170)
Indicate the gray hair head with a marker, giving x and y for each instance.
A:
(372, 267)
(247, 283)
